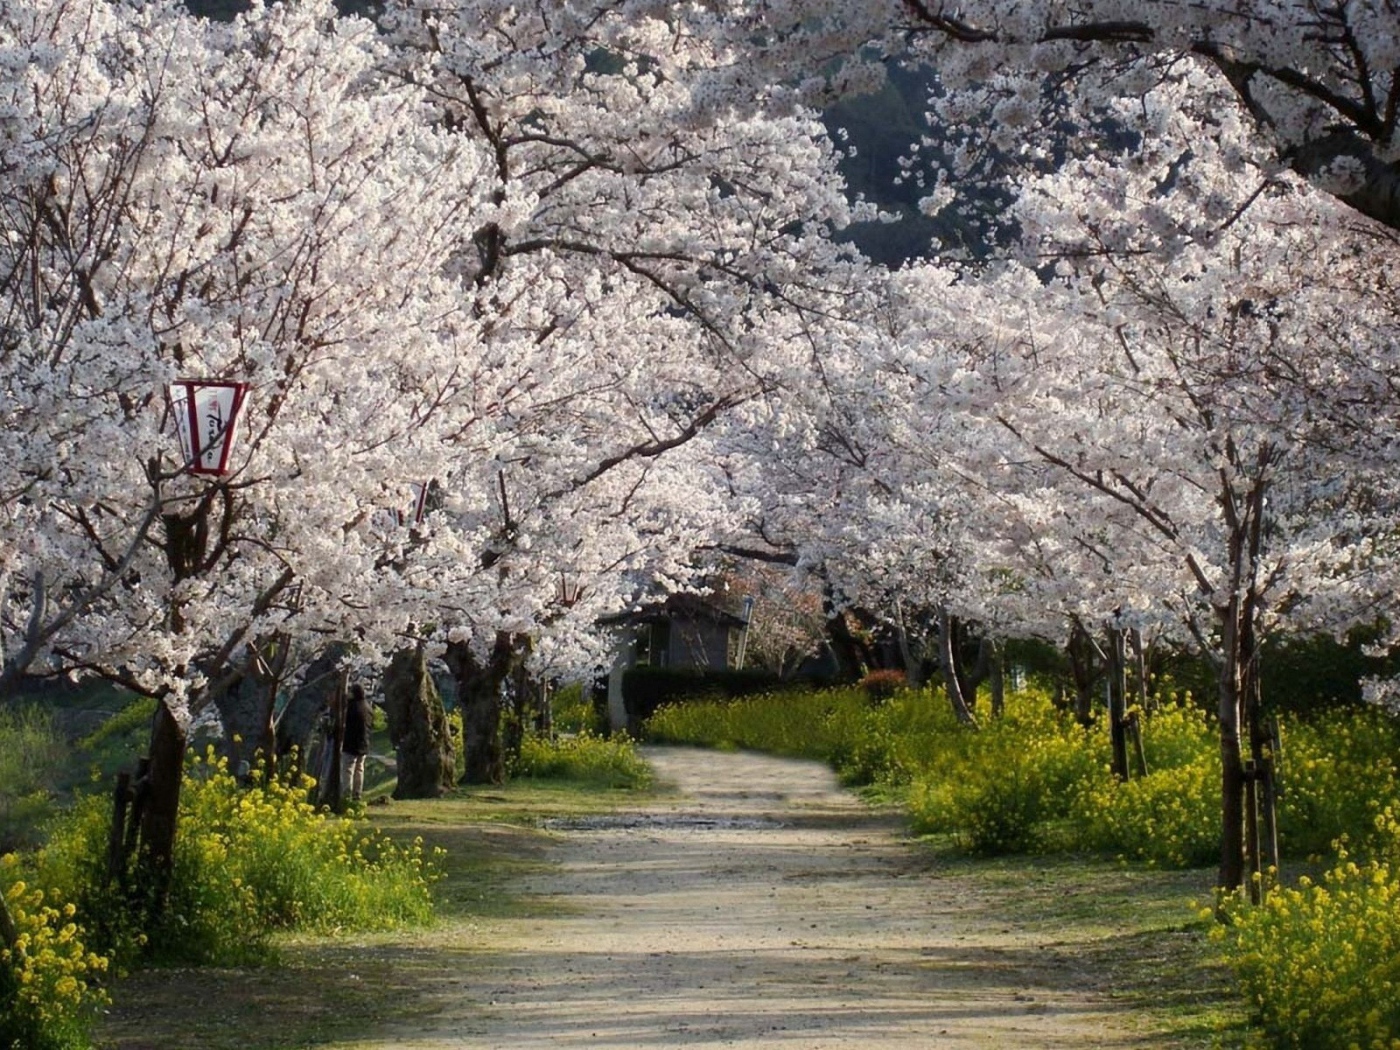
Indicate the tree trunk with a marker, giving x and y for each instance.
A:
(1139, 665)
(1118, 702)
(984, 669)
(331, 789)
(948, 664)
(241, 704)
(1240, 714)
(418, 727)
(520, 694)
(545, 722)
(919, 663)
(845, 649)
(297, 727)
(997, 679)
(1263, 835)
(1231, 875)
(1080, 651)
(479, 699)
(1139, 661)
(160, 812)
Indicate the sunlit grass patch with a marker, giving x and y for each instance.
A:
(585, 758)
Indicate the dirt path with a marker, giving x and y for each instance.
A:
(762, 907)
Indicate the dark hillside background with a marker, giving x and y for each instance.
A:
(882, 128)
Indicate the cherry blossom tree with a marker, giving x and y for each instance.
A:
(1315, 83)
(250, 201)
(650, 255)
(450, 266)
(1214, 401)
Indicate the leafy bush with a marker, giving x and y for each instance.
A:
(646, 689)
(1004, 788)
(73, 865)
(574, 710)
(998, 814)
(879, 686)
(1171, 817)
(1034, 779)
(248, 862)
(797, 723)
(134, 716)
(1322, 961)
(1337, 773)
(1178, 735)
(48, 979)
(610, 762)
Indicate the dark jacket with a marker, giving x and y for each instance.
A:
(358, 719)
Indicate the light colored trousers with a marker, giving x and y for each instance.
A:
(354, 779)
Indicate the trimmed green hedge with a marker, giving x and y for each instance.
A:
(644, 689)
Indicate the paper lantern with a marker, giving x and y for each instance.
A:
(205, 412)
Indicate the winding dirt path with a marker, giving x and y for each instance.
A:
(763, 907)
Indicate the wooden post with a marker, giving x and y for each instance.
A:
(138, 807)
(1268, 802)
(1251, 831)
(116, 855)
(1135, 730)
(1118, 701)
(334, 794)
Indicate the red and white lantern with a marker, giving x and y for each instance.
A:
(205, 412)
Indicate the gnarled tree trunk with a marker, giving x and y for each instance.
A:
(479, 680)
(846, 649)
(418, 727)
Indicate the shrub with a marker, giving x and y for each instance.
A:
(1000, 814)
(1178, 735)
(574, 710)
(1033, 779)
(646, 689)
(48, 989)
(1337, 772)
(1171, 817)
(879, 686)
(1003, 788)
(136, 715)
(803, 724)
(1321, 961)
(248, 862)
(610, 762)
(73, 865)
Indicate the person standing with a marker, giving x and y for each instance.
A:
(359, 717)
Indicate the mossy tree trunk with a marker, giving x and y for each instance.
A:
(479, 679)
(418, 727)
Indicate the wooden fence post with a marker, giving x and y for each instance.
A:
(116, 855)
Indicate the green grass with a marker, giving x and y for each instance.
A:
(61, 743)
(1136, 932)
(31, 757)
(330, 989)
(583, 759)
